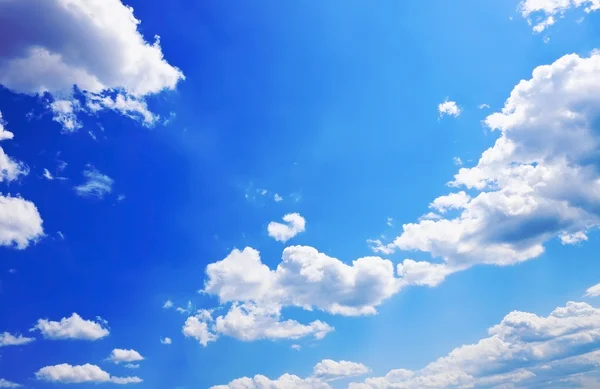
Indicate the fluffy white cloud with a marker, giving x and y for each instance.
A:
(166, 340)
(73, 327)
(120, 355)
(20, 222)
(449, 108)
(329, 370)
(9, 169)
(68, 374)
(4, 133)
(539, 181)
(7, 339)
(306, 279)
(524, 350)
(97, 184)
(593, 291)
(94, 45)
(286, 381)
(8, 384)
(542, 14)
(295, 224)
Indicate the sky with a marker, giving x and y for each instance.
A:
(315, 195)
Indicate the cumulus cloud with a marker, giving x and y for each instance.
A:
(329, 370)
(93, 45)
(541, 14)
(68, 374)
(20, 222)
(326, 370)
(539, 181)
(523, 351)
(4, 133)
(97, 184)
(593, 291)
(8, 384)
(73, 327)
(306, 279)
(120, 355)
(294, 224)
(449, 108)
(7, 339)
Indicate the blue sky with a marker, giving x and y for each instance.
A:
(299, 194)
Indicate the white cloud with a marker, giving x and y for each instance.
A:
(97, 184)
(129, 106)
(523, 351)
(449, 108)
(20, 222)
(168, 304)
(541, 14)
(452, 201)
(7, 339)
(120, 355)
(326, 370)
(94, 45)
(10, 170)
(482, 106)
(132, 365)
(295, 224)
(379, 247)
(73, 327)
(390, 222)
(166, 341)
(593, 291)
(4, 133)
(65, 113)
(457, 161)
(329, 370)
(8, 384)
(48, 175)
(286, 381)
(538, 182)
(68, 374)
(296, 347)
(277, 198)
(198, 329)
(305, 279)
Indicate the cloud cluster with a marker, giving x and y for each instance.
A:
(539, 181)
(73, 327)
(20, 221)
(593, 291)
(324, 371)
(94, 45)
(523, 351)
(69, 374)
(305, 278)
(542, 14)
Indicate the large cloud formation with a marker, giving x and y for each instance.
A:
(93, 44)
(523, 351)
(539, 181)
